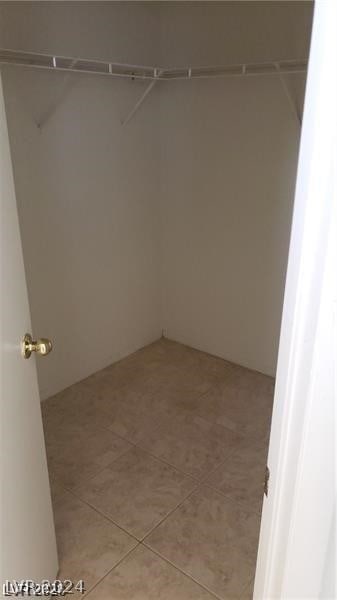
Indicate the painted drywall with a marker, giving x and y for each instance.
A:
(87, 200)
(228, 165)
(118, 31)
(217, 33)
(229, 154)
(86, 188)
(178, 221)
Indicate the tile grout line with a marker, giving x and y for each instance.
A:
(149, 453)
(149, 549)
(166, 463)
(252, 580)
(158, 458)
(200, 482)
(145, 543)
(102, 514)
(141, 540)
(112, 568)
(170, 513)
(133, 446)
(181, 571)
(179, 469)
(87, 480)
(137, 445)
(204, 479)
(100, 427)
(232, 500)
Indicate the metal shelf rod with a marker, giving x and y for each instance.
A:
(34, 60)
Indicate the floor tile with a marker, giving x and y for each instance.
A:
(121, 373)
(194, 379)
(168, 352)
(57, 492)
(72, 408)
(241, 476)
(249, 591)
(262, 384)
(187, 376)
(183, 356)
(143, 372)
(133, 418)
(76, 454)
(132, 409)
(88, 544)
(142, 575)
(91, 402)
(212, 540)
(173, 398)
(191, 444)
(144, 384)
(241, 408)
(204, 416)
(154, 361)
(128, 410)
(136, 491)
(132, 415)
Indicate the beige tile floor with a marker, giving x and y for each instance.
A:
(156, 466)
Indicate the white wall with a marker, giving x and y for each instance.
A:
(86, 190)
(203, 33)
(181, 219)
(119, 31)
(229, 154)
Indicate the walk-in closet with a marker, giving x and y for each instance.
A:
(154, 148)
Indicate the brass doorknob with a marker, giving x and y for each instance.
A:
(42, 346)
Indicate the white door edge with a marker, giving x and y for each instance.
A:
(312, 246)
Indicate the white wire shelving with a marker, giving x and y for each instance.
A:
(153, 74)
(100, 67)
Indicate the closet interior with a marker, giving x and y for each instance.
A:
(154, 148)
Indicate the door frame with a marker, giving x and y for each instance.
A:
(307, 351)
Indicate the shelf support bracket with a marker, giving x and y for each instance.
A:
(65, 86)
(139, 102)
(292, 103)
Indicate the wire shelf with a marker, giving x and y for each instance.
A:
(99, 67)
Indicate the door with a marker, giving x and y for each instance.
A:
(297, 549)
(27, 536)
